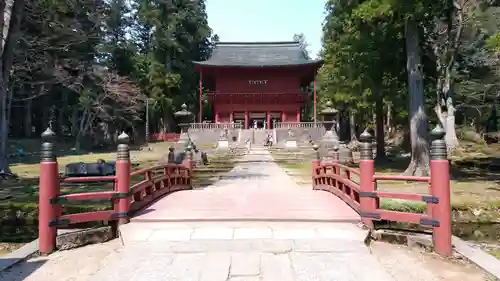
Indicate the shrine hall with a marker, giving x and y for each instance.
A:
(258, 83)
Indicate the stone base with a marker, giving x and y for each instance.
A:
(345, 154)
(84, 237)
(291, 144)
(223, 144)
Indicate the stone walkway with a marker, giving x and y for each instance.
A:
(153, 248)
(256, 189)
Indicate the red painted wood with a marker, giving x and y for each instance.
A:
(397, 195)
(440, 182)
(400, 216)
(88, 217)
(327, 177)
(88, 179)
(366, 184)
(49, 189)
(103, 195)
(157, 167)
(278, 80)
(344, 167)
(234, 92)
(339, 193)
(339, 179)
(401, 178)
(123, 186)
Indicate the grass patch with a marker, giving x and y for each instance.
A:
(219, 164)
(297, 166)
(493, 251)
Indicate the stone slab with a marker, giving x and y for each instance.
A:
(291, 144)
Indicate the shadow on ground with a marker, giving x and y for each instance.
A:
(20, 271)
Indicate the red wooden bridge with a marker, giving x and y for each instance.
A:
(165, 193)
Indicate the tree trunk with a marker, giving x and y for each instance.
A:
(352, 127)
(388, 120)
(27, 118)
(446, 58)
(419, 164)
(379, 124)
(10, 20)
(74, 121)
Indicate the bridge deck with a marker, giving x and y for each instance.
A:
(256, 189)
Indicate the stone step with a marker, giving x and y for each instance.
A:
(240, 233)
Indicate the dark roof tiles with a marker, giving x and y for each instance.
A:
(257, 54)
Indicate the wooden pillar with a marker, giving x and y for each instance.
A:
(246, 119)
(440, 189)
(298, 114)
(268, 119)
(49, 191)
(201, 98)
(315, 99)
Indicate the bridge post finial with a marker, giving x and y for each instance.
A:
(49, 190)
(438, 144)
(171, 154)
(122, 168)
(336, 153)
(440, 190)
(316, 151)
(366, 146)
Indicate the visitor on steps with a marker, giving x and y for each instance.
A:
(249, 145)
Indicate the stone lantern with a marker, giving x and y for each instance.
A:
(184, 118)
(330, 138)
(329, 121)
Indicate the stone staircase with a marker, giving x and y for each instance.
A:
(259, 137)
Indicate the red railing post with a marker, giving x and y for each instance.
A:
(440, 186)
(366, 184)
(315, 163)
(48, 192)
(123, 167)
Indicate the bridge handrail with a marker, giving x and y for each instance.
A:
(125, 199)
(364, 197)
(159, 180)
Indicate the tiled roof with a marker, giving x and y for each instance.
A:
(257, 54)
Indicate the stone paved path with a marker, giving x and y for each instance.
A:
(159, 250)
(256, 189)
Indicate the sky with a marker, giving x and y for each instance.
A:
(267, 20)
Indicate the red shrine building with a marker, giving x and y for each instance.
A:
(257, 83)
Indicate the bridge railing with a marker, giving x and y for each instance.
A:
(364, 197)
(156, 181)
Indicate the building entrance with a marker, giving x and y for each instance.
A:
(257, 123)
